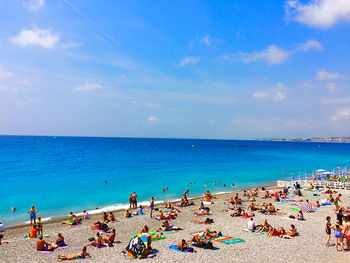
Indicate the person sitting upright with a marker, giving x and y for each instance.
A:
(42, 245)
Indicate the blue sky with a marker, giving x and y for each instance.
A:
(191, 69)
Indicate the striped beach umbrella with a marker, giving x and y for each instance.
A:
(305, 207)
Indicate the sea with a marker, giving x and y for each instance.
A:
(68, 174)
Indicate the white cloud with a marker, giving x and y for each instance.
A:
(88, 86)
(310, 45)
(318, 13)
(2, 88)
(34, 4)
(331, 87)
(189, 60)
(153, 119)
(276, 94)
(330, 101)
(5, 74)
(151, 105)
(272, 55)
(341, 114)
(36, 37)
(206, 40)
(326, 75)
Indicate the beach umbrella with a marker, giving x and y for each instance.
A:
(136, 245)
(305, 207)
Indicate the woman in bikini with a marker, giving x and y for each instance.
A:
(83, 254)
(328, 229)
(338, 235)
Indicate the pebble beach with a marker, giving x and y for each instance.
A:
(308, 246)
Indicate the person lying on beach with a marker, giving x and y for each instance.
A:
(111, 217)
(70, 218)
(98, 241)
(109, 239)
(202, 213)
(83, 254)
(292, 232)
(246, 215)
(100, 226)
(173, 209)
(161, 215)
(75, 221)
(252, 207)
(42, 245)
(271, 208)
(59, 241)
(211, 234)
(183, 246)
(166, 227)
(329, 191)
(238, 212)
(265, 227)
(311, 186)
(206, 221)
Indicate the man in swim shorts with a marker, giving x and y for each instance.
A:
(32, 214)
(336, 202)
(151, 206)
(346, 230)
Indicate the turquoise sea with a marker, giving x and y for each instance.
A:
(63, 174)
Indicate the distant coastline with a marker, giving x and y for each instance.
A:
(320, 139)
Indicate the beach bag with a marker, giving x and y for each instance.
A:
(208, 244)
(91, 239)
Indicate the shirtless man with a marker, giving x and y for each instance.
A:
(336, 203)
(109, 239)
(32, 213)
(271, 208)
(182, 245)
(186, 194)
(346, 231)
(151, 206)
(134, 200)
(42, 245)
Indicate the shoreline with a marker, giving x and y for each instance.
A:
(100, 211)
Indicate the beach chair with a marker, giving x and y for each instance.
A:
(347, 186)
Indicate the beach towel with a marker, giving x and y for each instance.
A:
(64, 247)
(174, 247)
(99, 230)
(223, 238)
(314, 195)
(281, 202)
(99, 246)
(232, 241)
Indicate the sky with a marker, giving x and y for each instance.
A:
(238, 69)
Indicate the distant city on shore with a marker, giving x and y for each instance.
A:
(316, 139)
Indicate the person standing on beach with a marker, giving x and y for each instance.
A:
(134, 201)
(32, 213)
(328, 229)
(336, 203)
(151, 206)
(185, 194)
(130, 200)
(346, 231)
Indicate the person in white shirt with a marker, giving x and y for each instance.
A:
(251, 224)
